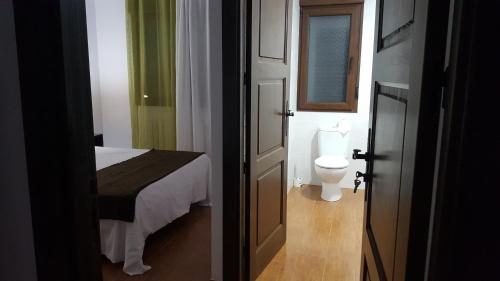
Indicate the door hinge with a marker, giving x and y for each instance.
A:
(356, 92)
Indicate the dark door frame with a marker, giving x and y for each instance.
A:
(465, 234)
(55, 95)
(15, 211)
(425, 61)
(233, 51)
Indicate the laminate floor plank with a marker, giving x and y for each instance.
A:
(323, 238)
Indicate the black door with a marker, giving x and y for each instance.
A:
(53, 73)
(404, 115)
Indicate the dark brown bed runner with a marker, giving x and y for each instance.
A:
(118, 185)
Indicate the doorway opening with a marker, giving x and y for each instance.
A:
(335, 114)
(155, 81)
(330, 76)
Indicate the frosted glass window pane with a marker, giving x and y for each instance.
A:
(328, 56)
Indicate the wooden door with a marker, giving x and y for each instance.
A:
(404, 117)
(267, 99)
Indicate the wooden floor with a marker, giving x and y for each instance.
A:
(180, 251)
(323, 238)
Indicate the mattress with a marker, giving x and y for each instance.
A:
(156, 206)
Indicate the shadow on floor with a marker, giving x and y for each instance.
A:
(180, 251)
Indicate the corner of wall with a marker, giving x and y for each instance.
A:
(94, 65)
(112, 69)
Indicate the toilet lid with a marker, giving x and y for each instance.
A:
(331, 162)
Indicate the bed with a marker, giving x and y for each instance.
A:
(156, 205)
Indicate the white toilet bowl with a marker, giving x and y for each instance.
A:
(331, 170)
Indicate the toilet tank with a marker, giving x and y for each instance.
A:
(333, 141)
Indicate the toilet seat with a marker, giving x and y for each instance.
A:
(331, 162)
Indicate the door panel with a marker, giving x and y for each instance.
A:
(268, 91)
(391, 77)
(397, 13)
(269, 213)
(402, 137)
(390, 114)
(271, 97)
(273, 26)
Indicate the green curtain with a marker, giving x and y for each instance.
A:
(151, 60)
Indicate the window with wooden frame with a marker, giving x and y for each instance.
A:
(330, 36)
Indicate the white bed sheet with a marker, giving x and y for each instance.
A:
(156, 206)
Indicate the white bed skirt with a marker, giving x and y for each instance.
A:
(156, 206)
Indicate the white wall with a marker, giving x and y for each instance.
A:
(94, 66)
(303, 140)
(108, 57)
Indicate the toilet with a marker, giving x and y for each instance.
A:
(331, 166)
